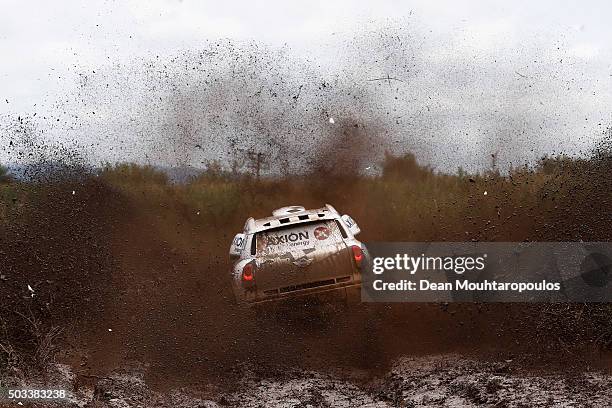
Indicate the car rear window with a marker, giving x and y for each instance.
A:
(309, 235)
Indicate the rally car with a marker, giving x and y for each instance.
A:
(297, 252)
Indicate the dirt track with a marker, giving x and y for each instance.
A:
(169, 304)
(447, 380)
(144, 298)
(169, 313)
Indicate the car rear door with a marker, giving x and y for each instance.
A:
(302, 256)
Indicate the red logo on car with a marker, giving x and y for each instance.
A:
(322, 233)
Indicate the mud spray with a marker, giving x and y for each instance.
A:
(130, 267)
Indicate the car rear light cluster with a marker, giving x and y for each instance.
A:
(357, 254)
(248, 273)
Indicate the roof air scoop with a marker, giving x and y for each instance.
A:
(292, 209)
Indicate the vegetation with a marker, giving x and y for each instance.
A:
(5, 177)
(406, 202)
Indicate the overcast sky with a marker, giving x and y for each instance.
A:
(46, 45)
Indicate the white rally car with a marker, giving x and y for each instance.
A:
(297, 252)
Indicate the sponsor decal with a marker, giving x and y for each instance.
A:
(287, 238)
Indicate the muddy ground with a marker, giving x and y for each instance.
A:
(446, 380)
(122, 298)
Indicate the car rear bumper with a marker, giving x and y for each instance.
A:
(332, 292)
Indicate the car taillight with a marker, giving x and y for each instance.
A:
(247, 272)
(357, 254)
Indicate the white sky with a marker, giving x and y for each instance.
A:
(44, 45)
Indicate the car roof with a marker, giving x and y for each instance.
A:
(289, 216)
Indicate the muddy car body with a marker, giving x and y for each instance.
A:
(297, 252)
